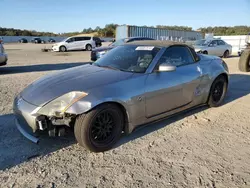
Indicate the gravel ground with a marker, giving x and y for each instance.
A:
(206, 147)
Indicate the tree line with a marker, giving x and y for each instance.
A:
(109, 31)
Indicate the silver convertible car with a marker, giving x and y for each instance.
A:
(133, 84)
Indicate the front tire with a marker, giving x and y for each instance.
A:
(244, 62)
(88, 47)
(99, 129)
(62, 49)
(218, 91)
(205, 52)
(226, 54)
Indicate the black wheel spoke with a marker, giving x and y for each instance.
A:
(103, 126)
(218, 91)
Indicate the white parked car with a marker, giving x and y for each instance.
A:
(216, 47)
(3, 56)
(75, 43)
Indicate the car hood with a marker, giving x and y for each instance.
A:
(198, 48)
(81, 78)
(104, 48)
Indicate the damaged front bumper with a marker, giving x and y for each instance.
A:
(25, 121)
(29, 123)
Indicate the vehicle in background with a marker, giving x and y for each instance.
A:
(244, 62)
(23, 40)
(51, 40)
(37, 40)
(216, 47)
(98, 41)
(3, 56)
(99, 52)
(134, 84)
(247, 44)
(125, 31)
(75, 43)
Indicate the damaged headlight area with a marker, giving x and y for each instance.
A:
(52, 116)
(58, 106)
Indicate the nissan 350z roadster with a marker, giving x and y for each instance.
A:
(131, 85)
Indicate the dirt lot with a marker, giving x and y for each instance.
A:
(201, 148)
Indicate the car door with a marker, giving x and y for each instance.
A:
(166, 91)
(87, 40)
(213, 48)
(222, 47)
(70, 44)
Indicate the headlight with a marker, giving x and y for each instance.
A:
(58, 106)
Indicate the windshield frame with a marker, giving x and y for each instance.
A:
(150, 67)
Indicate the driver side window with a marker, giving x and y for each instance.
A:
(213, 43)
(177, 56)
(70, 40)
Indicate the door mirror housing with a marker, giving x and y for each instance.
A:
(164, 67)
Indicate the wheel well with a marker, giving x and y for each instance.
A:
(223, 75)
(124, 111)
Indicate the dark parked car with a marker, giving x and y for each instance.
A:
(98, 41)
(23, 40)
(37, 40)
(51, 40)
(99, 52)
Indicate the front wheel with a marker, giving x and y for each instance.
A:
(218, 91)
(226, 54)
(62, 49)
(205, 52)
(88, 47)
(99, 129)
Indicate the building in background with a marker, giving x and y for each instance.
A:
(125, 31)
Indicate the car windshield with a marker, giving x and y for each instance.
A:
(118, 42)
(201, 42)
(129, 58)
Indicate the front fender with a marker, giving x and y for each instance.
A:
(89, 103)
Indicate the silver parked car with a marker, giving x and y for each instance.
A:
(3, 56)
(214, 47)
(134, 84)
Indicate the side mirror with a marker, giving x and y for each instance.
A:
(164, 67)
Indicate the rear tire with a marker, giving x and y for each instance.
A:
(62, 49)
(226, 54)
(244, 62)
(99, 129)
(205, 52)
(88, 47)
(218, 91)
